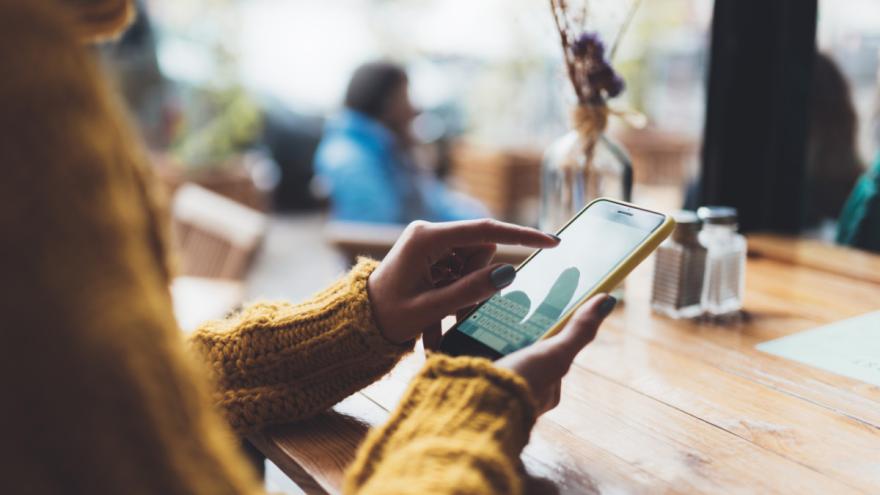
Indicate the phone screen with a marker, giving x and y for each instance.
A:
(551, 283)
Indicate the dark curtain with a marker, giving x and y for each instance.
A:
(754, 145)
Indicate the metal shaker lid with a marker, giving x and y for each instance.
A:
(687, 225)
(717, 215)
(685, 218)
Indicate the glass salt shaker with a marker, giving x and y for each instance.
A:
(724, 282)
(679, 265)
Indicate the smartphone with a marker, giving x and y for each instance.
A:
(600, 246)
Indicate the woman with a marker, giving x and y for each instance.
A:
(365, 157)
(833, 164)
(859, 223)
(100, 393)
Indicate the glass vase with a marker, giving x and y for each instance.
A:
(572, 176)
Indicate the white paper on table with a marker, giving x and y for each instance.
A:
(848, 347)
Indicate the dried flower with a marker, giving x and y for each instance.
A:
(592, 76)
(588, 45)
(603, 79)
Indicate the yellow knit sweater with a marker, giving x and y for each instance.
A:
(100, 392)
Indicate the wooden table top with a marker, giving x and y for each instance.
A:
(656, 405)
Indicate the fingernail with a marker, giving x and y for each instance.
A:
(607, 306)
(503, 276)
(554, 236)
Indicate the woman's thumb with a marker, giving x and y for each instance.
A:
(582, 328)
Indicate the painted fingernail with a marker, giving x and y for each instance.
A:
(503, 276)
(607, 306)
(554, 236)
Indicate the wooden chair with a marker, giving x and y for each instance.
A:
(659, 157)
(507, 181)
(216, 237)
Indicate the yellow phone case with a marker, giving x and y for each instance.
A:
(623, 269)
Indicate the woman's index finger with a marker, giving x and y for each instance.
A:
(488, 231)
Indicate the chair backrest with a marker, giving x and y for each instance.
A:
(215, 236)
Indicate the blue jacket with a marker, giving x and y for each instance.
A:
(372, 180)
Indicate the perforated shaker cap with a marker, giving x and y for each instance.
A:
(717, 215)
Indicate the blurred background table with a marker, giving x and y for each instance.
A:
(199, 299)
(656, 405)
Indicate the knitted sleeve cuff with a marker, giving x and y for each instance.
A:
(461, 408)
(477, 386)
(363, 309)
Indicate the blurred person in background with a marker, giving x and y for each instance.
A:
(366, 157)
(101, 392)
(859, 224)
(833, 163)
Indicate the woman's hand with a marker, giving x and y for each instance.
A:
(544, 363)
(436, 269)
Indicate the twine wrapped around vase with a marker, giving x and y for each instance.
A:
(590, 122)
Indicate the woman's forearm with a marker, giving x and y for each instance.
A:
(278, 362)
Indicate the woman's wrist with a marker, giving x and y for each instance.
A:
(365, 308)
(377, 319)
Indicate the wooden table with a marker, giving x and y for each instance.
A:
(655, 405)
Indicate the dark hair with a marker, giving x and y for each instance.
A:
(371, 86)
(833, 163)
